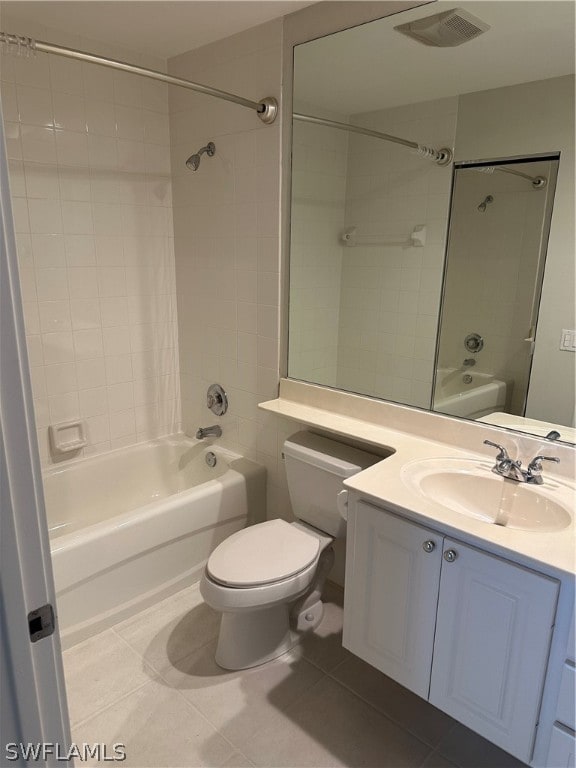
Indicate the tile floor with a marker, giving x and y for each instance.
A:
(151, 683)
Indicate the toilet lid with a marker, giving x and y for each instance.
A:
(261, 554)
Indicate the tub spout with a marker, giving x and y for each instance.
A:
(215, 431)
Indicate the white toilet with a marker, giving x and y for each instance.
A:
(267, 579)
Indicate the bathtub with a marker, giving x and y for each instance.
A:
(131, 526)
(482, 396)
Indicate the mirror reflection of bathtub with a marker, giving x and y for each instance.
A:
(367, 301)
(469, 395)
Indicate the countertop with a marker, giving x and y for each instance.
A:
(552, 552)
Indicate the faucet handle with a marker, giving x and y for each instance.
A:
(536, 463)
(503, 453)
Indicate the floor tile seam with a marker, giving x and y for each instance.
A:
(140, 614)
(428, 756)
(215, 726)
(150, 665)
(191, 706)
(113, 703)
(318, 665)
(162, 670)
(147, 665)
(398, 724)
(304, 694)
(438, 748)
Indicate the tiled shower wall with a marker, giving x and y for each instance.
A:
(317, 213)
(89, 165)
(390, 295)
(492, 270)
(227, 245)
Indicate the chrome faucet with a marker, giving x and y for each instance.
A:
(512, 470)
(534, 471)
(505, 466)
(215, 431)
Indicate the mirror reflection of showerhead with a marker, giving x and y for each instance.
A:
(193, 161)
(487, 200)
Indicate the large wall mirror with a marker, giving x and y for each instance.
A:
(432, 217)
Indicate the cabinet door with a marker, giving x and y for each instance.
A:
(491, 648)
(562, 748)
(391, 594)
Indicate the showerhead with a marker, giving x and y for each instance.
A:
(193, 161)
(487, 200)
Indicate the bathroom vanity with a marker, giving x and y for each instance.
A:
(473, 616)
(474, 624)
(468, 631)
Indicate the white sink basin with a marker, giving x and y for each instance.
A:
(470, 488)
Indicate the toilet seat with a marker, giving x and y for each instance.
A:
(263, 554)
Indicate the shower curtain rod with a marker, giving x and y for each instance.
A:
(441, 156)
(538, 182)
(266, 109)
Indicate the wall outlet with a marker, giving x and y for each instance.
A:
(568, 341)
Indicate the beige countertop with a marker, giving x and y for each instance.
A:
(384, 483)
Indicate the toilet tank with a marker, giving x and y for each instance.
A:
(315, 469)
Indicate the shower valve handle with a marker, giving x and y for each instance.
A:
(217, 400)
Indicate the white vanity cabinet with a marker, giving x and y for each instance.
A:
(392, 580)
(460, 627)
(562, 750)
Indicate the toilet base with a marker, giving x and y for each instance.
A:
(253, 638)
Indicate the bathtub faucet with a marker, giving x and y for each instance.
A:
(215, 431)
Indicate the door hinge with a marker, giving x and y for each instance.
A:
(41, 622)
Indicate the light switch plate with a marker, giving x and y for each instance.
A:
(568, 340)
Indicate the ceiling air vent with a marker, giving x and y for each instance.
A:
(445, 30)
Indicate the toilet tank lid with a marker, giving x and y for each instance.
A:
(330, 455)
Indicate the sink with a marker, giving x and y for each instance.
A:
(470, 488)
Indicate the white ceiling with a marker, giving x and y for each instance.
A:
(162, 28)
(372, 66)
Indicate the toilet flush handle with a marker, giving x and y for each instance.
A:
(342, 504)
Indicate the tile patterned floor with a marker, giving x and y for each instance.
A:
(151, 683)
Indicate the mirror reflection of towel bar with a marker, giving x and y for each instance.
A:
(417, 239)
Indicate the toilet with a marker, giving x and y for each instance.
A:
(267, 579)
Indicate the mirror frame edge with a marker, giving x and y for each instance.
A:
(311, 23)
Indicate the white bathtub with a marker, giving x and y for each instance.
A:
(483, 395)
(131, 526)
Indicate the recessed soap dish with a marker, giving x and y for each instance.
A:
(67, 436)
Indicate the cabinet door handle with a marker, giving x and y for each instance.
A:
(450, 555)
(429, 546)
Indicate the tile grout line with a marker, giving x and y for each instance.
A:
(99, 711)
(325, 674)
(134, 651)
(115, 701)
(381, 712)
(189, 705)
(156, 670)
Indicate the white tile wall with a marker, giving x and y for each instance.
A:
(226, 222)
(492, 269)
(390, 296)
(90, 179)
(317, 219)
